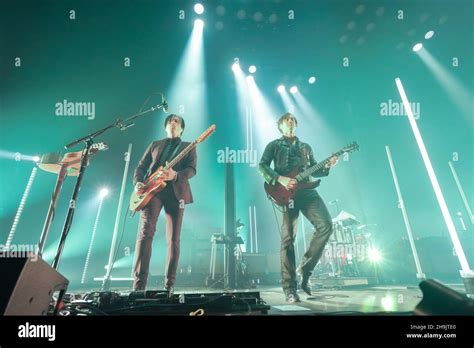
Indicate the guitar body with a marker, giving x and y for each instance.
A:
(155, 183)
(281, 196)
(153, 186)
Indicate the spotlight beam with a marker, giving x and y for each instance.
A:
(287, 102)
(313, 119)
(458, 93)
(188, 88)
(243, 102)
(264, 111)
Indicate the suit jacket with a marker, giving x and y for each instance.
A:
(277, 152)
(186, 168)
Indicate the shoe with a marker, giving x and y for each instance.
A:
(305, 283)
(291, 296)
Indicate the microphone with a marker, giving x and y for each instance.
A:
(165, 104)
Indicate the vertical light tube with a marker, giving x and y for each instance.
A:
(106, 282)
(20, 208)
(91, 244)
(251, 229)
(465, 270)
(255, 227)
(461, 192)
(419, 272)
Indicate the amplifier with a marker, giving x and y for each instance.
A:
(256, 263)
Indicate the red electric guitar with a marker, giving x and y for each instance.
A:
(281, 196)
(155, 183)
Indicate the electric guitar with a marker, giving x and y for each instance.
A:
(155, 182)
(281, 196)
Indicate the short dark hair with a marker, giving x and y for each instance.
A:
(170, 117)
(284, 117)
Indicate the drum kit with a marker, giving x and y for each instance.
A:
(347, 249)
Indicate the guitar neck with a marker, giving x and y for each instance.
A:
(181, 155)
(306, 173)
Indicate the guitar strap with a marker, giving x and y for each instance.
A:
(304, 160)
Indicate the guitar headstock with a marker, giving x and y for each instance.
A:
(99, 147)
(206, 134)
(350, 147)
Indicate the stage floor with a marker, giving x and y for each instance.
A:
(391, 299)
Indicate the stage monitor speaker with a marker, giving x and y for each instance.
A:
(28, 285)
(439, 299)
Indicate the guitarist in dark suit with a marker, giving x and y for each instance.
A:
(287, 153)
(172, 198)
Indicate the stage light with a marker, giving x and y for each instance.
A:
(374, 255)
(17, 156)
(199, 9)
(235, 67)
(103, 192)
(293, 89)
(252, 69)
(388, 303)
(281, 88)
(429, 34)
(463, 197)
(312, 80)
(199, 23)
(417, 47)
(249, 78)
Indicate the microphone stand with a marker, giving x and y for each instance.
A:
(334, 202)
(89, 140)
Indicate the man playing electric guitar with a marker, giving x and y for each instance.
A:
(172, 198)
(287, 153)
